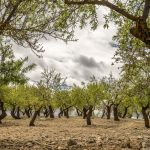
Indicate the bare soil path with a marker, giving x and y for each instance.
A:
(73, 134)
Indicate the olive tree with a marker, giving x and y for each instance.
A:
(137, 12)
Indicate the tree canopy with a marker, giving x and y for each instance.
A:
(26, 22)
(12, 70)
(137, 12)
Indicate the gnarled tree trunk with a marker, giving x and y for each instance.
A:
(28, 111)
(3, 114)
(145, 116)
(46, 112)
(125, 112)
(108, 108)
(103, 113)
(66, 112)
(34, 117)
(51, 112)
(89, 114)
(60, 113)
(18, 113)
(84, 112)
(115, 110)
(13, 112)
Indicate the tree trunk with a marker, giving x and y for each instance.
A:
(3, 114)
(108, 111)
(103, 114)
(60, 113)
(34, 117)
(79, 113)
(27, 112)
(145, 117)
(125, 112)
(13, 112)
(89, 114)
(66, 113)
(46, 112)
(115, 108)
(51, 112)
(30, 111)
(84, 112)
(18, 113)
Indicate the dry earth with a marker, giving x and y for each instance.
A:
(73, 134)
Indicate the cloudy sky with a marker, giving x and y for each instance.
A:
(90, 55)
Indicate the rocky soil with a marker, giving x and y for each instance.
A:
(73, 134)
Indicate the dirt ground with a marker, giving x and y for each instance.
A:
(73, 134)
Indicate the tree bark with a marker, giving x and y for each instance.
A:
(108, 108)
(51, 112)
(46, 112)
(146, 10)
(60, 113)
(3, 114)
(18, 113)
(66, 113)
(84, 112)
(89, 114)
(30, 111)
(145, 117)
(34, 117)
(13, 113)
(125, 112)
(115, 108)
(27, 112)
(103, 114)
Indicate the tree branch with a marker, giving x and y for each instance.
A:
(146, 10)
(103, 3)
(5, 23)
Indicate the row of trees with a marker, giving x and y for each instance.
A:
(51, 93)
(25, 22)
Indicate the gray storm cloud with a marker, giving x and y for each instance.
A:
(90, 62)
(87, 62)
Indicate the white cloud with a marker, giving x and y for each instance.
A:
(75, 59)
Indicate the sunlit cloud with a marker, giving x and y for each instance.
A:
(90, 55)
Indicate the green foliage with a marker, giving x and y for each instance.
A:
(63, 99)
(51, 79)
(12, 70)
(25, 22)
